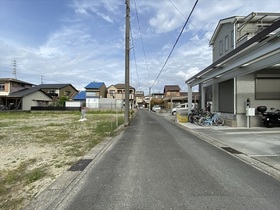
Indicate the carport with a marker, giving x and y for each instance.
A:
(258, 57)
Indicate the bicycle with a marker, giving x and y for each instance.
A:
(195, 116)
(212, 119)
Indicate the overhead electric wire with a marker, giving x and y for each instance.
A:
(186, 17)
(135, 59)
(138, 22)
(175, 44)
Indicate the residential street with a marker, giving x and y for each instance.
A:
(156, 165)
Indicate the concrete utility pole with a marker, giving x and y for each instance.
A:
(127, 39)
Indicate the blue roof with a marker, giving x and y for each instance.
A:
(94, 85)
(80, 96)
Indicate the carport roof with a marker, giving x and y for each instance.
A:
(221, 72)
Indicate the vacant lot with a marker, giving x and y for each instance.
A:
(36, 147)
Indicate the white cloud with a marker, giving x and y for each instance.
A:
(88, 42)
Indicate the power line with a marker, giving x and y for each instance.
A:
(175, 44)
(186, 17)
(138, 22)
(135, 59)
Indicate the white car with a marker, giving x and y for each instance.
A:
(180, 106)
(156, 108)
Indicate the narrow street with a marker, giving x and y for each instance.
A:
(156, 165)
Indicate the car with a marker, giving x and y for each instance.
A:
(156, 108)
(181, 107)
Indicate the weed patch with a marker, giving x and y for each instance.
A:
(36, 147)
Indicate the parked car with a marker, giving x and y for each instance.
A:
(179, 107)
(156, 108)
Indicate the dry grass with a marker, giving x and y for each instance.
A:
(37, 147)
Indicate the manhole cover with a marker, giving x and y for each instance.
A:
(231, 150)
(80, 165)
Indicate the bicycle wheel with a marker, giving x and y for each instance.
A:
(190, 118)
(219, 120)
(202, 121)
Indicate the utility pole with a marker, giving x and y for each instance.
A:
(127, 39)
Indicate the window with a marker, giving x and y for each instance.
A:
(221, 47)
(268, 86)
(91, 94)
(226, 43)
(2, 87)
(112, 92)
(67, 93)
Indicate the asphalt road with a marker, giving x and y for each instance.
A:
(156, 165)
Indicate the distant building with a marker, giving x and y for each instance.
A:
(117, 91)
(139, 98)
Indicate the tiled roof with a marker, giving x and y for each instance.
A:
(171, 88)
(80, 96)
(24, 92)
(94, 85)
(55, 86)
(121, 86)
(14, 80)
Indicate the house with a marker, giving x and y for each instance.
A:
(58, 90)
(245, 72)
(17, 94)
(139, 98)
(8, 86)
(96, 90)
(117, 91)
(26, 98)
(171, 90)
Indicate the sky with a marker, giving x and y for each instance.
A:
(81, 41)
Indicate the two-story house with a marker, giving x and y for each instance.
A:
(170, 91)
(95, 91)
(58, 90)
(17, 94)
(139, 98)
(117, 91)
(246, 68)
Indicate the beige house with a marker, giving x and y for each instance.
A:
(8, 86)
(139, 96)
(59, 90)
(118, 92)
(17, 94)
(171, 90)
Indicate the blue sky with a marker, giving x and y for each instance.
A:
(80, 41)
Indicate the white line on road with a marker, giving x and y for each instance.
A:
(253, 132)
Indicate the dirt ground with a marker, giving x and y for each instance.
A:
(51, 142)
